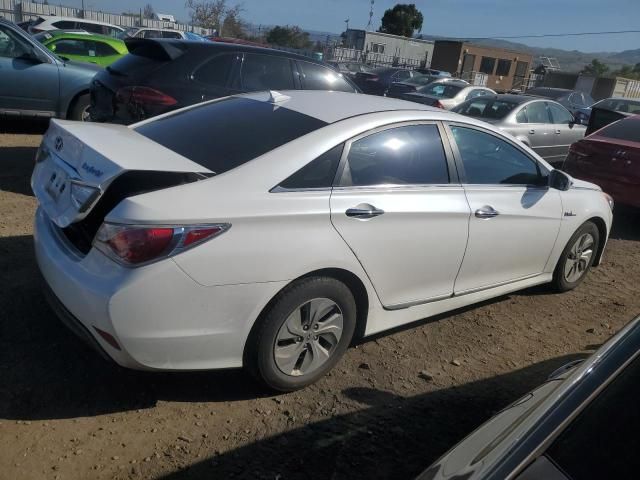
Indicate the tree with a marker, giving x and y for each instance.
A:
(403, 19)
(596, 68)
(292, 37)
(148, 12)
(212, 14)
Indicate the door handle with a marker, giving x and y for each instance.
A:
(487, 212)
(532, 131)
(364, 210)
(558, 131)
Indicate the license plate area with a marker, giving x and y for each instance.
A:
(57, 184)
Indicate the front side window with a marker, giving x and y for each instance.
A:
(317, 77)
(92, 27)
(11, 45)
(266, 72)
(559, 114)
(487, 64)
(319, 173)
(152, 34)
(478, 92)
(65, 25)
(576, 99)
(601, 441)
(216, 71)
(537, 113)
(489, 160)
(485, 107)
(410, 155)
(70, 46)
(166, 34)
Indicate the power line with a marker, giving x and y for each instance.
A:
(552, 35)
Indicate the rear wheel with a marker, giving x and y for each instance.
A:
(80, 109)
(577, 258)
(303, 335)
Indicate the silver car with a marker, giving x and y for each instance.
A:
(544, 125)
(582, 423)
(446, 93)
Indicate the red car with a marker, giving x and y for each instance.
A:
(610, 157)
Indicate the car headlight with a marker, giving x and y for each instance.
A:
(609, 199)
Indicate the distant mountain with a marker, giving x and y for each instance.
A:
(570, 60)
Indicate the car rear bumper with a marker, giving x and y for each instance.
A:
(160, 318)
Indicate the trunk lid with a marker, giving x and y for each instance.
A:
(77, 162)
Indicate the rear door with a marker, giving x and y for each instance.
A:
(536, 118)
(515, 216)
(399, 207)
(317, 77)
(267, 72)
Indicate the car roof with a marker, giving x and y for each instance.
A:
(515, 98)
(55, 18)
(331, 107)
(82, 35)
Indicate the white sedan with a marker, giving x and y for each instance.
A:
(270, 230)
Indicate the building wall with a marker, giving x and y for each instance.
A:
(497, 80)
(408, 50)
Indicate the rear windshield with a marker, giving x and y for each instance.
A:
(134, 63)
(553, 94)
(225, 134)
(627, 129)
(441, 90)
(485, 108)
(626, 106)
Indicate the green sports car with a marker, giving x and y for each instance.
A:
(83, 46)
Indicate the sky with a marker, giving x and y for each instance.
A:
(455, 18)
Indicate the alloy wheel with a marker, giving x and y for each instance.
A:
(308, 337)
(579, 258)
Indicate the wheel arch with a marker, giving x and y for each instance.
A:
(601, 225)
(350, 279)
(72, 102)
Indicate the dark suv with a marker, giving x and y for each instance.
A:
(163, 75)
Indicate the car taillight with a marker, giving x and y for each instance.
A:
(135, 245)
(438, 104)
(144, 96)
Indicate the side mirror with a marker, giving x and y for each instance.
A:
(559, 180)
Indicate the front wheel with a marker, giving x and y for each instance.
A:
(80, 109)
(303, 334)
(577, 258)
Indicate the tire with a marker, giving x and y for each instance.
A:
(79, 109)
(570, 272)
(302, 335)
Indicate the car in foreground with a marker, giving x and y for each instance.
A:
(269, 230)
(581, 424)
(446, 93)
(573, 100)
(147, 32)
(378, 80)
(82, 46)
(544, 125)
(47, 23)
(163, 75)
(38, 83)
(397, 89)
(608, 111)
(611, 157)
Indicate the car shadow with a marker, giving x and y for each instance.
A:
(626, 223)
(390, 437)
(16, 165)
(24, 125)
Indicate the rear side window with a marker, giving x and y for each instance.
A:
(152, 34)
(266, 72)
(626, 129)
(489, 160)
(411, 155)
(171, 35)
(75, 47)
(105, 50)
(317, 77)
(216, 70)
(225, 134)
(65, 25)
(142, 60)
(318, 173)
(92, 27)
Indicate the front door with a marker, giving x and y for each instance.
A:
(565, 132)
(402, 213)
(515, 217)
(535, 122)
(27, 84)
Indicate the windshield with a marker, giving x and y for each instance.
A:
(620, 105)
(553, 94)
(194, 36)
(485, 108)
(440, 90)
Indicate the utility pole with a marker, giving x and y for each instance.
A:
(347, 22)
(82, 9)
(369, 25)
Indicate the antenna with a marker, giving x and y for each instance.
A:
(347, 22)
(369, 25)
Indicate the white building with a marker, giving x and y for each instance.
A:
(387, 48)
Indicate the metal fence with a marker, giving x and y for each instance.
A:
(342, 54)
(23, 11)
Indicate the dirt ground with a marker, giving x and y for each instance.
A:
(67, 414)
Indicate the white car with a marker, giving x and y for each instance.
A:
(45, 23)
(147, 32)
(270, 230)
